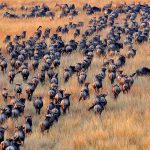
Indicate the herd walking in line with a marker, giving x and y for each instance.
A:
(40, 56)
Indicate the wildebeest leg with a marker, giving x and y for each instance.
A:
(68, 108)
(80, 98)
(5, 70)
(19, 95)
(112, 80)
(95, 89)
(124, 91)
(64, 111)
(101, 89)
(1, 68)
(47, 130)
(91, 107)
(11, 80)
(38, 111)
(100, 113)
(115, 95)
(28, 96)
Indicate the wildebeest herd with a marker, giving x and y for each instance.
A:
(43, 48)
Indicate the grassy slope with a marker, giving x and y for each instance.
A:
(124, 124)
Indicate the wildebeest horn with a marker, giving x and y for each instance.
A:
(39, 27)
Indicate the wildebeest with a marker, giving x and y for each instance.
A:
(2, 132)
(116, 90)
(98, 83)
(112, 76)
(99, 104)
(143, 71)
(47, 123)
(18, 89)
(18, 108)
(107, 6)
(12, 75)
(19, 134)
(82, 77)
(25, 73)
(7, 38)
(41, 76)
(28, 125)
(65, 102)
(45, 51)
(3, 64)
(38, 104)
(5, 94)
(85, 93)
(29, 90)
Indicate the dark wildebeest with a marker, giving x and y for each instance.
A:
(142, 72)
(38, 104)
(29, 90)
(98, 83)
(2, 132)
(5, 94)
(99, 104)
(65, 103)
(19, 134)
(116, 90)
(85, 93)
(3, 65)
(18, 89)
(47, 123)
(28, 124)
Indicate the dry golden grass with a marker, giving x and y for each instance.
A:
(124, 124)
